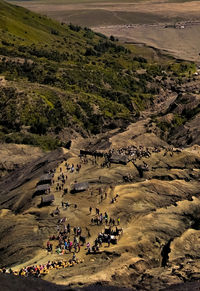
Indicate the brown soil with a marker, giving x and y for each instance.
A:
(162, 206)
(159, 211)
(15, 156)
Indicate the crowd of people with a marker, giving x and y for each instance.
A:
(43, 269)
(101, 218)
(71, 240)
(68, 240)
(110, 235)
(132, 152)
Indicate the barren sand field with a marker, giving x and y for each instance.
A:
(171, 27)
(182, 43)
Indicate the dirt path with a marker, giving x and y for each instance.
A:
(76, 217)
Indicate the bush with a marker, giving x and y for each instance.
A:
(90, 52)
(74, 27)
(112, 38)
(55, 32)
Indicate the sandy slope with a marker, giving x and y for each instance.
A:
(160, 207)
(15, 156)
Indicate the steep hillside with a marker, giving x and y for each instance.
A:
(55, 77)
(15, 156)
(177, 120)
(115, 110)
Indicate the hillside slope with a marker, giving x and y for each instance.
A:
(55, 77)
(122, 106)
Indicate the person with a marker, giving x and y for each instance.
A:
(66, 245)
(75, 247)
(58, 250)
(88, 231)
(118, 220)
(117, 231)
(68, 228)
(87, 245)
(109, 240)
(100, 242)
(48, 264)
(75, 240)
(70, 246)
(51, 247)
(74, 257)
(79, 230)
(100, 219)
(106, 220)
(37, 273)
(96, 242)
(94, 249)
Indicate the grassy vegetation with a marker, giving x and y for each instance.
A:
(167, 127)
(62, 76)
(187, 111)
